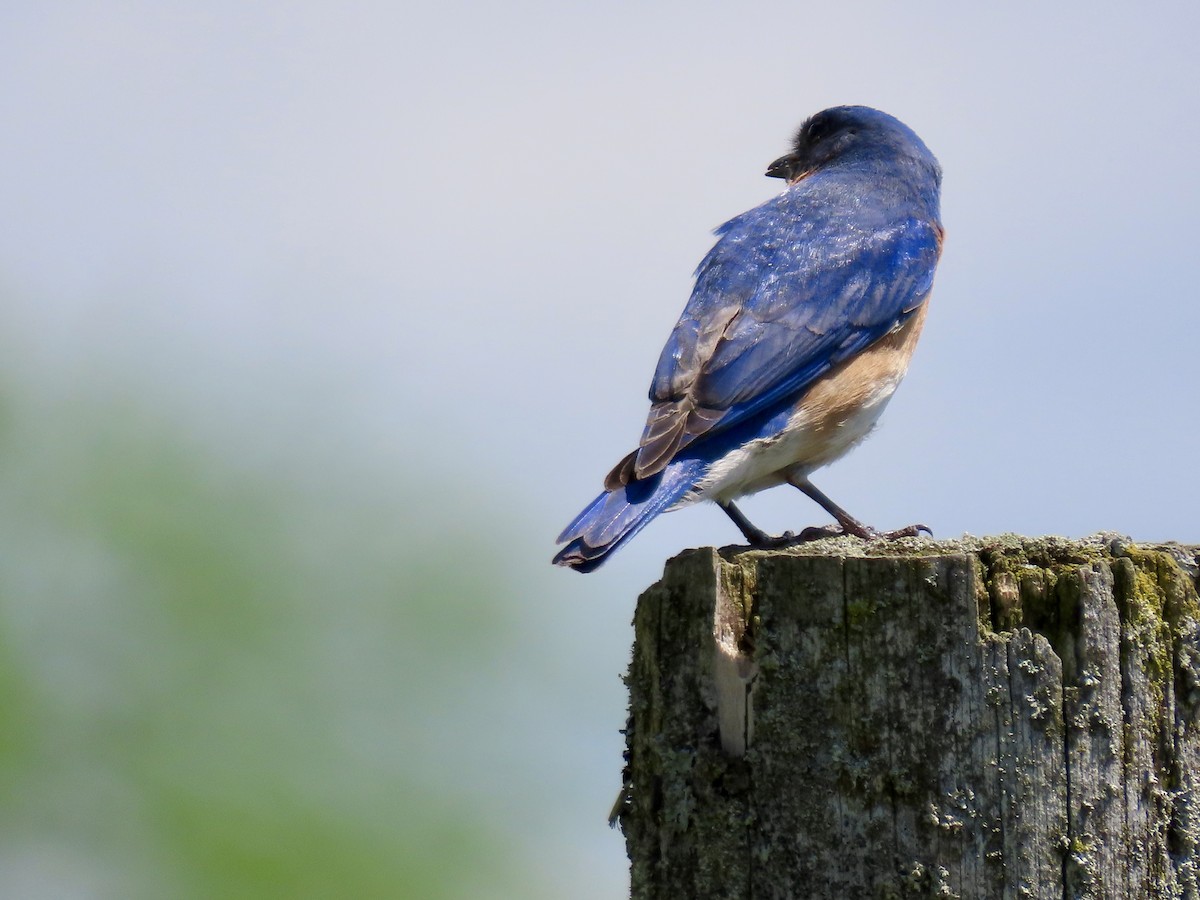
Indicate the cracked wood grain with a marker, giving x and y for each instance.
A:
(1006, 718)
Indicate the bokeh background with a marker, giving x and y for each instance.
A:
(320, 320)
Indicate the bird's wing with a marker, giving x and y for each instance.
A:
(779, 300)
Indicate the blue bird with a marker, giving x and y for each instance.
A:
(800, 327)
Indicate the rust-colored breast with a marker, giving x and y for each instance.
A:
(862, 381)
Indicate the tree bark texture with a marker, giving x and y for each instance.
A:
(1006, 717)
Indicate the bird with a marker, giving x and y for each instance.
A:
(800, 326)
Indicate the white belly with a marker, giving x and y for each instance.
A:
(801, 448)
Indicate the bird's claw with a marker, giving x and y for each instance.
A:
(866, 532)
(773, 541)
(906, 532)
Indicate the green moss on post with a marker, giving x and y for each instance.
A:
(1000, 717)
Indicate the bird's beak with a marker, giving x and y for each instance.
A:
(787, 167)
(781, 168)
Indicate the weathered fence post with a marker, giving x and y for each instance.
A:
(1001, 717)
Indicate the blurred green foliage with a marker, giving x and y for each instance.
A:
(221, 679)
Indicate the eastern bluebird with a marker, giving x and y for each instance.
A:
(801, 324)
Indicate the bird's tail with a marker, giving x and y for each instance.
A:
(616, 516)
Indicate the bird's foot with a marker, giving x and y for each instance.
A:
(846, 523)
(764, 541)
(818, 532)
(866, 532)
(906, 531)
(791, 539)
(755, 536)
(858, 530)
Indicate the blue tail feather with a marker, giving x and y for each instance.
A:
(616, 516)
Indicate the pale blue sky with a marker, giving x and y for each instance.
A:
(462, 232)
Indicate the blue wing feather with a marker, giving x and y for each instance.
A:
(791, 289)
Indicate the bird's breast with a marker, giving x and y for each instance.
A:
(837, 411)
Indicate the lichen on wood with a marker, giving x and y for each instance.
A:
(1000, 717)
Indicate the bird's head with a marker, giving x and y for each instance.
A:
(849, 133)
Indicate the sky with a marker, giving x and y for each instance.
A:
(453, 237)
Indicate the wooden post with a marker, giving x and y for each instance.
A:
(1005, 717)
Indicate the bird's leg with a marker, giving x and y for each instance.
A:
(851, 525)
(755, 535)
